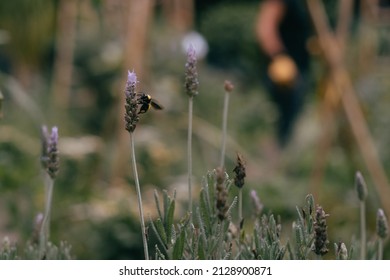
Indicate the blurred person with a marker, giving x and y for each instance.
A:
(282, 29)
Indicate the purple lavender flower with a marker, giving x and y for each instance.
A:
(53, 163)
(191, 74)
(49, 154)
(131, 115)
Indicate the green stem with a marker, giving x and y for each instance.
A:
(362, 230)
(140, 208)
(240, 205)
(224, 128)
(189, 154)
(380, 249)
(45, 226)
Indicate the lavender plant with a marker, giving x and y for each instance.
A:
(171, 238)
(216, 230)
(382, 231)
(228, 86)
(303, 230)
(50, 163)
(8, 250)
(191, 87)
(209, 237)
(131, 120)
(361, 190)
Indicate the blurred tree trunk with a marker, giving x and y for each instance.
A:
(180, 14)
(368, 36)
(65, 41)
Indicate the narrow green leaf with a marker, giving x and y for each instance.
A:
(160, 230)
(211, 192)
(231, 207)
(205, 212)
(157, 201)
(201, 251)
(291, 254)
(256, 238)
(201, 227)
(301, 219)
(159, 255)
(166, 204)
(169, 221)
(310, 203)
(206, 193)
(173, 233)
(228, 253)
(178, 248)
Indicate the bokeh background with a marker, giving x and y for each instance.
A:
(65, 62)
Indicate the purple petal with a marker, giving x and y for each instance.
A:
(131, 77)
(54, 135)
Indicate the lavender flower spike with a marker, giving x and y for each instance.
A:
(382, 228)
(191, 74)
(45, 144)
(131, 115)
(52, 153)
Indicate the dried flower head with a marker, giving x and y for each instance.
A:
(320, 232)
(49, 156)
(382, 227)
(239, 179)
(131, 104)
(361, 187)
(228, 86)
(191, 74)
(221, 193)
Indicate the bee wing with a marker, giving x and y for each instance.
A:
(156, 105)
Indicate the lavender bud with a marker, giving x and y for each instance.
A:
(131, 115)
(191, 74)
(341, 251)
(382, 228)
(361, 187)
(228, 86)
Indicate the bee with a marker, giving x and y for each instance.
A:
(146, 101)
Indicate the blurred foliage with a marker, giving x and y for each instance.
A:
(230, 32)
(30, 25)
